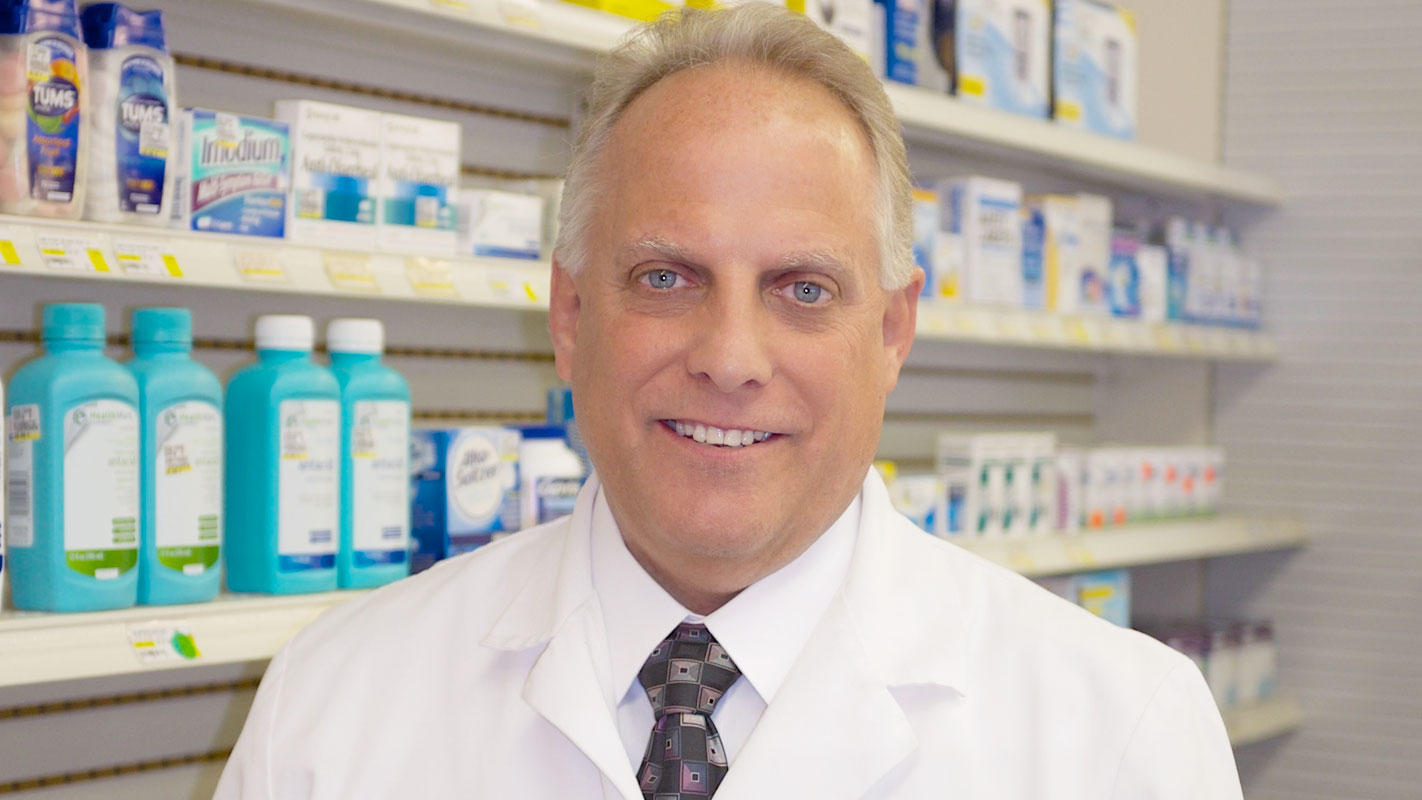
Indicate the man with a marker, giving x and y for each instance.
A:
(734, 607)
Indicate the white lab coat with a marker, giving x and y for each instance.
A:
(934, 674)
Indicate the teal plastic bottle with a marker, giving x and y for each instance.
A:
(283, 465)
(180, 412)
(375, 457)
(73, 473)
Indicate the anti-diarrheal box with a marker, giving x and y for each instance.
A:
(335, 158)
(1094, 67)
(233, 172)
(464, 485)
(419, 185)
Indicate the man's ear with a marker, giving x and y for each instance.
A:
(563, 307)
(900, 323)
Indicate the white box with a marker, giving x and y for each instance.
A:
(1002, 49)
(948, 267)
(498, 224)
(923, 499)
(1020, 494)
(419, 185)
(1094, 67)
(1061, 250)
(851, 20)
(987, 213)
(1043, 455)
(1102, 488)
(925, 237)
(1070, 466)
(335, 163)
(966, 467)
(1093, 216)
(1151, 268)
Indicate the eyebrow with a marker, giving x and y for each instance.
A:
(663, 249)
(812, 260)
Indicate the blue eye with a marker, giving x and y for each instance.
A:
(661, 279)
(806, 292)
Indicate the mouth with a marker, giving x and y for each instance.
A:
(713, 436)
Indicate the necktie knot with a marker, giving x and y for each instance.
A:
(688, 672)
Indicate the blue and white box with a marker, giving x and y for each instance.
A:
(233, 173)
(987, 213)
(499, 224)
(1094, 67)
(1002, 51)
(419, 185)
(335, 160)
(1123, 277)
(903, 48)
(1034, 257)
(464, 490)
(1106, 594)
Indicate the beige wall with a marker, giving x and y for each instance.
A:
(1181, 63)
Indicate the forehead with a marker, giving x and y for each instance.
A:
(738, 145)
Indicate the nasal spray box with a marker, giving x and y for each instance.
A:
(335, 158)
(419, 185)
(1094, 67)
(233, 173)
(903, 49)
(987, 213)
(1001, 48)
(464, 489)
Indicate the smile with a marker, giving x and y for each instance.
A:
(718, 437)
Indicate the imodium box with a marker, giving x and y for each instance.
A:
(464, 484)
(335, 159)
(419, 185)
(1001, 48)
(232, 175)
(1094, 67)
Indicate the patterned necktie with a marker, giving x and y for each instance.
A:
(684, 678)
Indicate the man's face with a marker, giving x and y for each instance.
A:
(731, 285)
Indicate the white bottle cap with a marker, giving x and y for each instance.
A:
(285, 332)
(355, 335)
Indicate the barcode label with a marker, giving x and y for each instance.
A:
(153, 139)
(310, 203)
(40, 58)
(17, 498)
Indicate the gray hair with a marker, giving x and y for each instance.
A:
(762, 35)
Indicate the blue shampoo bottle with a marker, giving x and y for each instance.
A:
(180, 406)
(283, 465)
(375, 457)
(73, 474)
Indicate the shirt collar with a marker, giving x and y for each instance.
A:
(763, 628)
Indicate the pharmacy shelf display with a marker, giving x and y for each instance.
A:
(1263, 720)
(1145, 543)
(562, 35)
(38, 648)
(92, 251)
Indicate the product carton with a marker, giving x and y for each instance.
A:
(1000, 53)
(464, 485)
(987, 213)
(232, 173)
(419, 185)
(1094, 68)
(335, 160)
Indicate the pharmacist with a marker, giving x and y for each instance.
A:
(734, 607)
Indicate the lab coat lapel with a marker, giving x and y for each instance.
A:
(559, 608)
(835, 728)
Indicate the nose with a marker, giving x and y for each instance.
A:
(731, 346)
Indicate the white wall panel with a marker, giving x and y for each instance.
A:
(1327, 97)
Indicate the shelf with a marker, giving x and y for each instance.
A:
(1266, 719)
(1146, 543)
(88, 250)
(1035, 329)
(92, 251)
(39, 648)
(568, 37)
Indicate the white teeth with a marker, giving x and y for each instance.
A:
(680, 429)
(733, 438)
(699, 433)
(715, 436)
(710, 434)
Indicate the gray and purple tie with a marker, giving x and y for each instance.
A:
(685, 678)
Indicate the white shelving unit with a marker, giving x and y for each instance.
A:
(1266, 719)
(93, 251)
(570, 37)
(1146, 543)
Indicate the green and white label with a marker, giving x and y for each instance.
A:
(309, 489)
(20, 476)
(101, 488)
(187, 483)
(380, 475)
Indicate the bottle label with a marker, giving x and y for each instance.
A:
(187, 487)
(308, 492)
(380, 482)
(19, 477)
(101, 488)
(53, 119)
(143, 138)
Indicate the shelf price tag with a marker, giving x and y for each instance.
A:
(1080, 555)
(521, 13)
(1013, 327)
(158, 644)
(513, 286)
(1019, 557)
(1076, 332)
(1166, 338)
(9, 254)
(349, 271)
(260, 265)
(1048, 329)
(71, 253)
(139, 257)
(430, 277)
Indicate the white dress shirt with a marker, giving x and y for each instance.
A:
(763, 628)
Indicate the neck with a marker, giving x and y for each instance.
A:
(698, 597)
